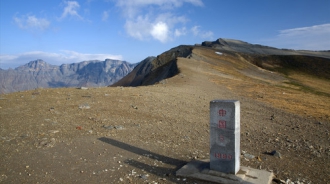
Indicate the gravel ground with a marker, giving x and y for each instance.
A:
(145, 134)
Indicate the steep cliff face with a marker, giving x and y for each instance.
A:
(39, 74)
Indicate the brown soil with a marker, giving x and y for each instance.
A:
(49, 136)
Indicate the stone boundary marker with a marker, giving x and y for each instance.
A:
(224, 163)
(225, 136)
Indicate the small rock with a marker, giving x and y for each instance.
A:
(109, 127)
(272, 117)
(79, 128)
(53, 131)
(84, 88)
(134, 107)
(84, 106)
(248, 156)
(119, 127)
(276, 154)
(145, 176)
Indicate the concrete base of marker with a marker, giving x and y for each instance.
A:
(200, 169)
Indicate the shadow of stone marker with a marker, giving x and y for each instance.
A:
(225, 136)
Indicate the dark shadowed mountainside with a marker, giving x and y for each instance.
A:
(39, 74)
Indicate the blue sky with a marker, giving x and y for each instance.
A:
(60, 31)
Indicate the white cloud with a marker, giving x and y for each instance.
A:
(203, 34)
(132, 7)
(71, 9)
(63, 57)
(105, 15)
(160, 32)
(146, 19)
(303, 31)
(309, 38)
(159, 28)
(172, 3)
(31, 22)
(180, 32)
(139, 28)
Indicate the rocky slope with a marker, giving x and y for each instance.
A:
(154, 70)
(39, 74)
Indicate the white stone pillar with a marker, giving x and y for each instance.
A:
(225, 136)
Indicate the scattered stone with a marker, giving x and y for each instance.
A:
(119, 127)
(272, 117)
(79, 128)
(84, 106)
(276, 154)
(249, 156)
(53, 131)
(109, 127)
(144, 176)
(134, 107)
(47, 143)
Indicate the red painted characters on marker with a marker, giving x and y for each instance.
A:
(222, 124)
(222, 138)
(223, 156)
(222, 112)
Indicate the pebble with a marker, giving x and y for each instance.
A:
(144, 176)
(47, 143)
(119, 127)
(53, 131)
(276, 154)
(249, 156)
(109, 127)
(84, 106)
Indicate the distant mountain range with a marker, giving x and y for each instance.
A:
(39, 74)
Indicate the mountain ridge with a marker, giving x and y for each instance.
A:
(40, 74)
(264, 57)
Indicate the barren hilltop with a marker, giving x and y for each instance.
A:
(144, 132)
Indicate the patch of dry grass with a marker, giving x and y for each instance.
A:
(300, 93)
